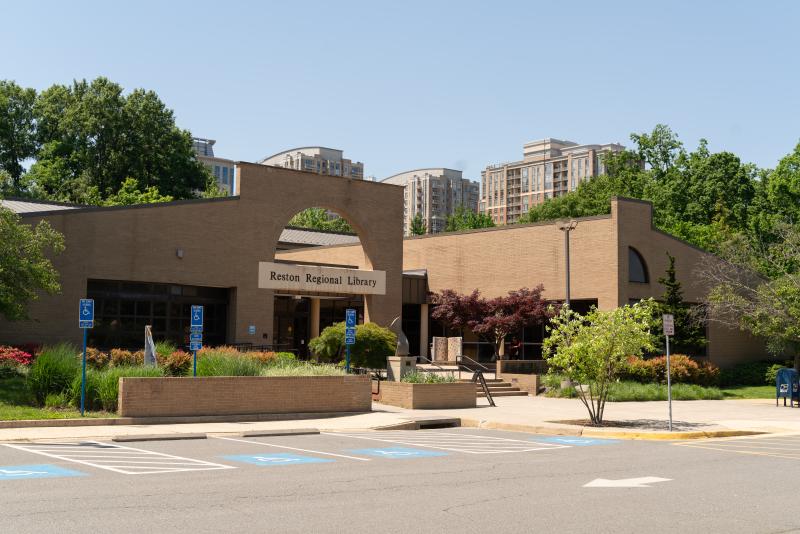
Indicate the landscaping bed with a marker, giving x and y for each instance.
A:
(426, 391)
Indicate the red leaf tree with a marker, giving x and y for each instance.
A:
(493, 318)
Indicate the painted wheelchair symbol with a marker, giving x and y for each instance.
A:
(276, 459)
(20, 473)
(397, 453)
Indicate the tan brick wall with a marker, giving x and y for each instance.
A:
(222, 242)
(529, 383)
(427, 396)
(497, 260)
(236, 395)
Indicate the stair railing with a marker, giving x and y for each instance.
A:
(478, 378)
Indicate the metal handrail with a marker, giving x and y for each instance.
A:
(461, 357)
(440, 369)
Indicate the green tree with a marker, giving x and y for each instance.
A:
(374, 343)
(93, 137)
(782, 190)
(321, 219)
(130, 193)
(418, 226)
(757, 288)
(689, 335)
(24, 267)
(17, 130)
(464, 218)
(592, 349)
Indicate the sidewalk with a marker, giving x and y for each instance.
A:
(642, 420)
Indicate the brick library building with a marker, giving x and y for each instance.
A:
(263, 283)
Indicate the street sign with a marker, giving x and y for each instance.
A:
(195, 329)
(86, 313)
(669, 324)
(197, 316)
(251, 329)
(348, 340)
(195, 346)
(350, 318)
(195, 338)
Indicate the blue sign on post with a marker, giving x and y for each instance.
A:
(349, 335)
(196, 329)
(86, 314)
(85, 322)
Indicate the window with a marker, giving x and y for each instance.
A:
(216, 171)
(637, 269)
(548, 176)
(225, 175)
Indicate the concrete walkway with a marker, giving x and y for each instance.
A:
(528, 414)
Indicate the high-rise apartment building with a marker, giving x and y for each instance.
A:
(434, 194)
(223, 169)
(549, 168)
(317, 159)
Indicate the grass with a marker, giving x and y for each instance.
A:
(421, 377)
(17, 403)
(636, 392)
(749, 392)
(290, 368)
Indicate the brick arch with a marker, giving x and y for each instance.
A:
(271, 196)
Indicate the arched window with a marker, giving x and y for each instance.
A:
(637, 268)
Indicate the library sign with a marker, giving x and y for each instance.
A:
(288, 276)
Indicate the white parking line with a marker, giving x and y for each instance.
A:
(466, 443)
(125, 460)
(292, 448)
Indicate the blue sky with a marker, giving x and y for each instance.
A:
(404, 85)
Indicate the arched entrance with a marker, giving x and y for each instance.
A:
(271, 196)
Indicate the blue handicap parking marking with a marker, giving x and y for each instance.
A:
(399, 452)
(281, 458)
(577, 441)
(15, 472)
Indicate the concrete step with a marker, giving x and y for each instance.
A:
(505, 394)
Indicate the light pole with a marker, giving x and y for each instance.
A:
(566, 227)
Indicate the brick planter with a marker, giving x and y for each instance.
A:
(240, 395)
(426, 396)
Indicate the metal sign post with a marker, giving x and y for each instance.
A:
(349, 335)
(85, 322)
(669, 330)
(196, 335)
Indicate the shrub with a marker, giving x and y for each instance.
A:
(177, 363)
(102, 386)
(373, 344)
(747, 374)
(164, 349)
(126, 358)
(683, 370)
(31, 348)
(771, 376)
(421, 377)
(96, 359)
(13, 361)
(288, 368)
(221, 364)
(53, 371)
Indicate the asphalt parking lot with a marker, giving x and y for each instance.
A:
(464, 480)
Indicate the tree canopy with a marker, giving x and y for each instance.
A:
(464, 218)
(700, 196)
(24, 267)
(321, 219)
(88, 138)
(418, 226)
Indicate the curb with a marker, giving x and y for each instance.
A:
(157, 437)
(610, 434)
(126, 421)
(266, 433)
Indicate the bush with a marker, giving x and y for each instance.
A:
(13, 361)
(421, 377)
(373, 344)
(177, 363)
(222, 364)
(164, 349)
(771, 376)
(293, 368)
(56, 400)
(53, 371)
(96, 359)
(748, 374)
(683, 370)
(102, 387)
(636, 392)
(126, 358)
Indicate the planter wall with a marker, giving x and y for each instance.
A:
(426, 396)
(240, 395)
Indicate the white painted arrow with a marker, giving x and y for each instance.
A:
(641, 482)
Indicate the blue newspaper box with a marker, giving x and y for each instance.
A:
(786, 386)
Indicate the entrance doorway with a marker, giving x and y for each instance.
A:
(292, 326)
